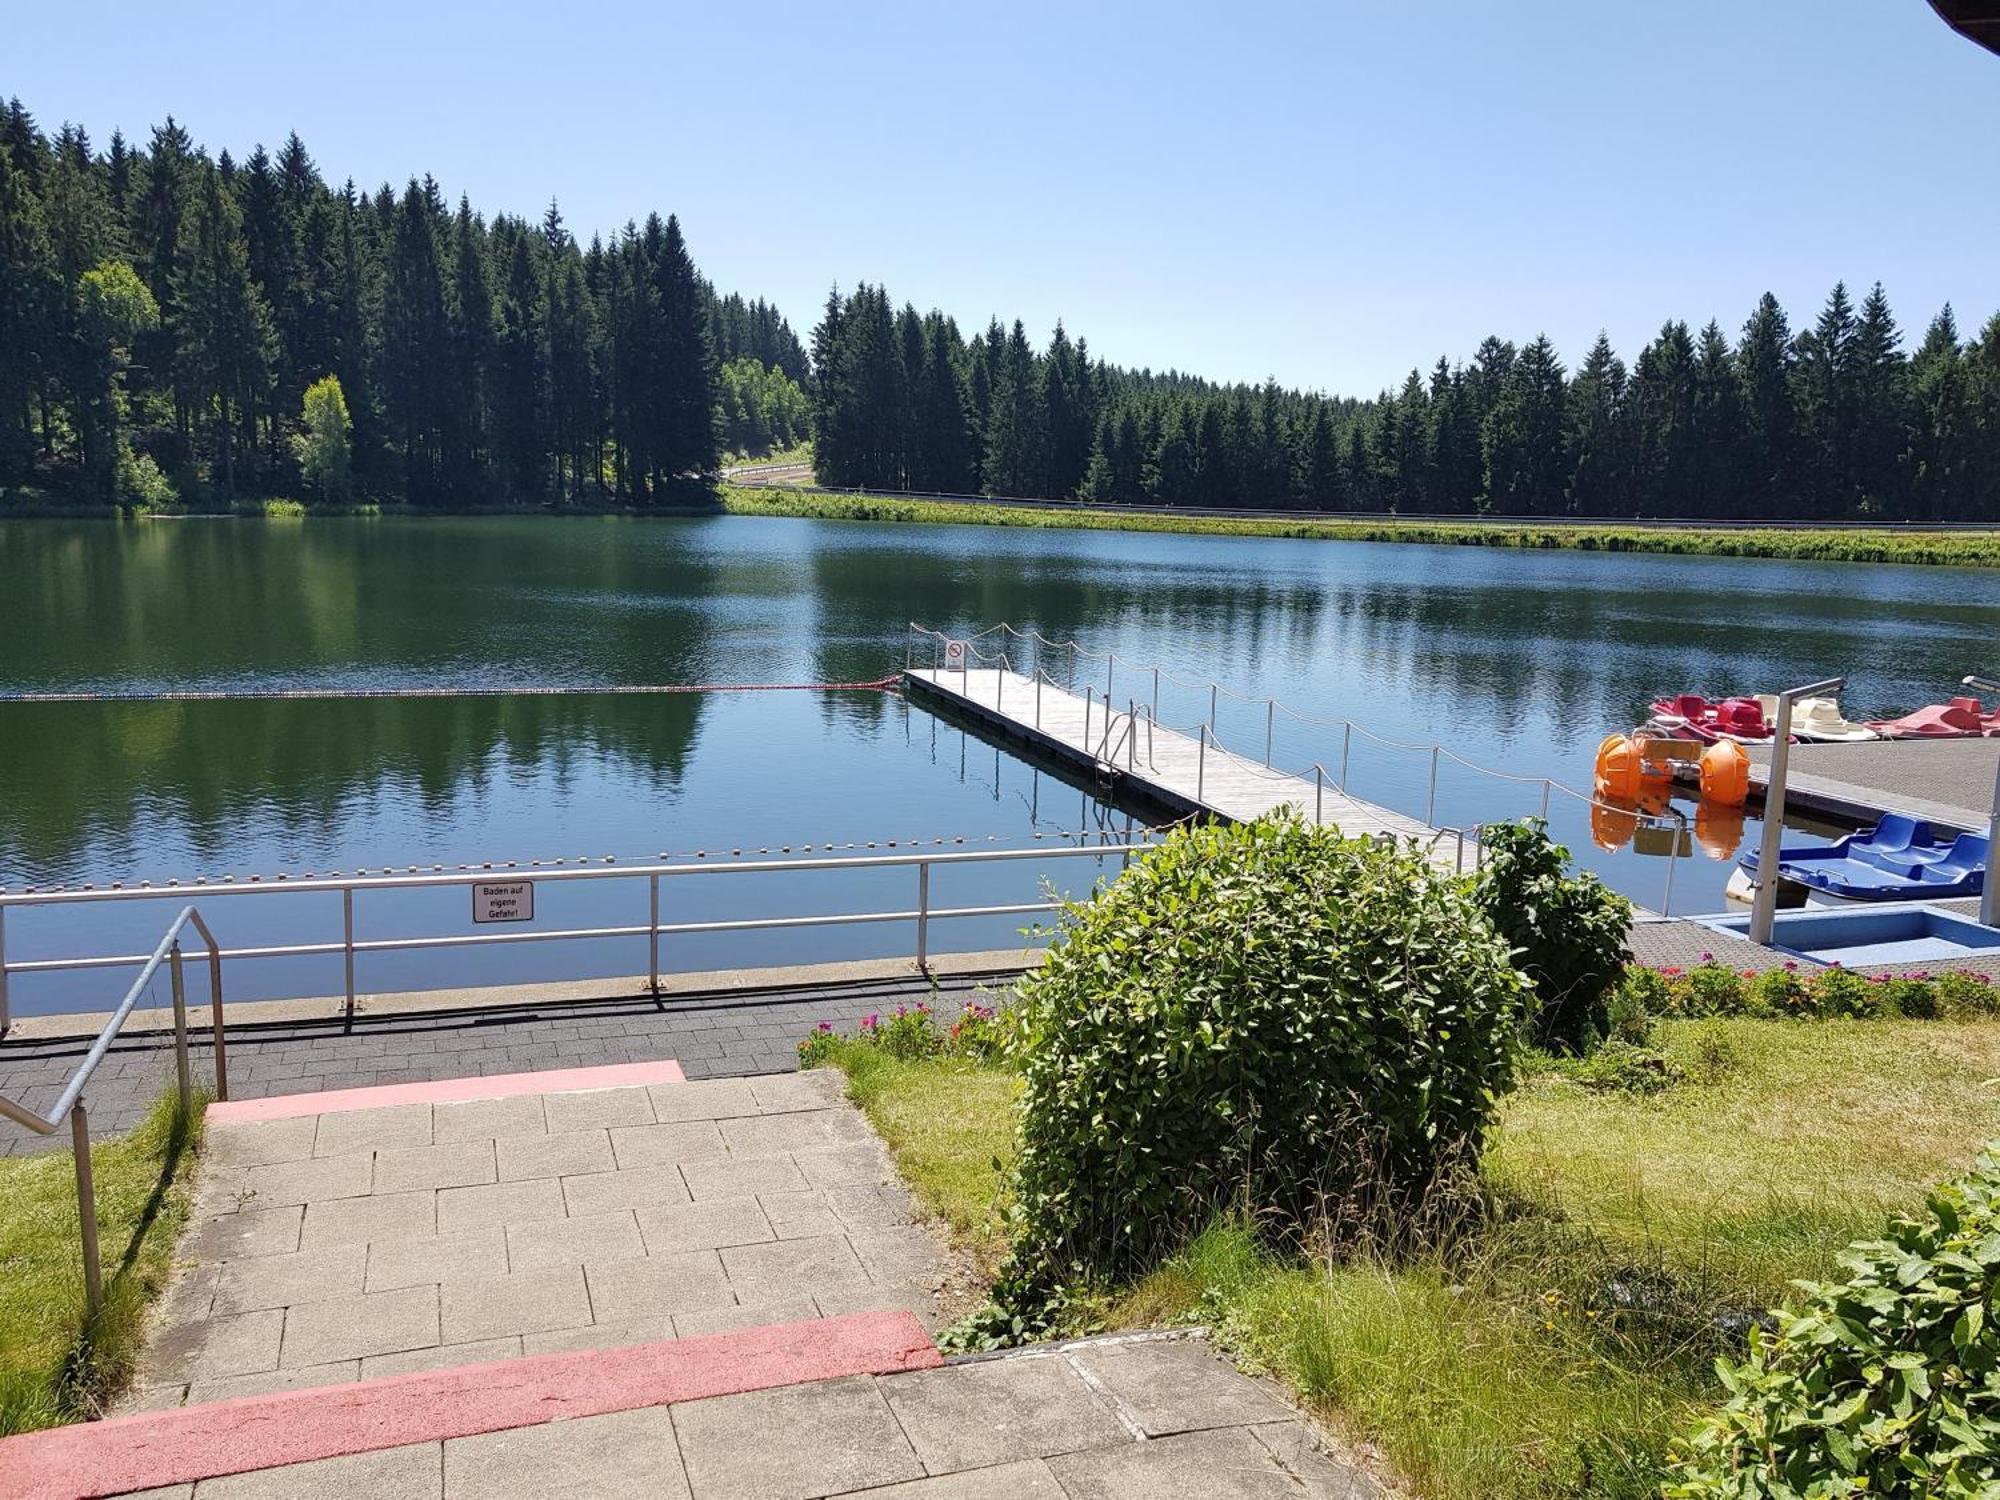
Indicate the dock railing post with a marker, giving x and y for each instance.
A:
(1131, 732)
(1430, 806)
(923, 913)
(653, 937)
(1156, 692)
(1211, 708)
(86, 1208)
(347, 944)
(1319, 795)
(215, 1017)
(1038, 695)
(1270, 725)
(1110, 671)
(999, 682)
(1547, 786)
(1764, 907)
(180, 1028)
(1346, 739)
(1201, 765)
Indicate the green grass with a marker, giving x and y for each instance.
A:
(1558, 1349)
(950, 1125)
(56, 1365)
(1953, 549)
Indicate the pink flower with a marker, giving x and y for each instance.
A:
(869, 1023)
(1708, 958)
(825, 1026)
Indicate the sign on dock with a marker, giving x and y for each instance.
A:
(503, 901)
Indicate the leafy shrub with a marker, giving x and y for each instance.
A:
(1620, 1067)
(979, 1033)
(1645, 990)
(1961, 993)
(910, 1032)
(1626, 1018)
(142, 483)
(1781, 992)
(1267, 1015)
(1842, 992)
(1710, 989)
(1567, 931)
(1884, 1384)
(1913, 996)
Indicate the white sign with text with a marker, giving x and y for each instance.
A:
(503, 901)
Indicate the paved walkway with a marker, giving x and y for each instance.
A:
(719, 1036)
(1946, 781)
(340, 1246)
(1113, 1419)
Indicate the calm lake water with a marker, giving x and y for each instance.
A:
(1521, 661)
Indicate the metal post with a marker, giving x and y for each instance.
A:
(1211, 707)
(1673, 853)
(180, 1028)
(653, 939)
(1319, 795)
(1430, 807)
(999, 682)
(1546, 786)
(347, 944)
(1038, 696)
(215, 1010)
(1131, 732)
(1110, 671)
(86, 1208)
(1087, 700)
(5, 1021)
(1156, 691)
(923, 913)
(1346, 739)
(1201, 764)
(1764, 908)
(1989, 900)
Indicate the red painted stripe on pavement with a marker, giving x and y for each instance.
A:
(447, 1091)
(186, 1444)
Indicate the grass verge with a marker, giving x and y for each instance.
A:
(56, 1364)
(1633, 1237)
(1946, 549)
(950, 1125)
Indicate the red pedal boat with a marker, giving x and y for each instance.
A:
(1957, 720)
(1691, 716)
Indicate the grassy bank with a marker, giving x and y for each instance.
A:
(1950, 549)
(1556, 1352)
(56, 1365)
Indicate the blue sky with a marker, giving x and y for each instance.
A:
(1329, 193)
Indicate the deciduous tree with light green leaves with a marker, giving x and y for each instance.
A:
(322, 444)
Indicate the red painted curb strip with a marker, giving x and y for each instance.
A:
(447, 1091)
(151, 1449)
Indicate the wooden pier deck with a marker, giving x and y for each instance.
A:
(1168, 767)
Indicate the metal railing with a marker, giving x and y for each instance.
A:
(657, 877)
(1668, 818)
(71, 1102)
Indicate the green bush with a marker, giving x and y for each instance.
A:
(1567, 931)
(1842, 992)
(1962, 994)
(1887, 1384)
(1621, 1067)
(1267, 1017)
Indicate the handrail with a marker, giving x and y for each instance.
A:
(71, 1103)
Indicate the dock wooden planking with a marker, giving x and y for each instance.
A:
(1165, 765)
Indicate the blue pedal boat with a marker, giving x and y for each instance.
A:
(1899, 859)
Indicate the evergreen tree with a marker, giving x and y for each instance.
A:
(521, 390)
(1823, 386)
(1881, 396)
(1770, 429)
(226, 342)
(1600, 435)
(29, 304)
(1525, 469)
(1941, 450)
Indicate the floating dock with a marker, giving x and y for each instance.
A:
(1945, 782)
(1183, 774)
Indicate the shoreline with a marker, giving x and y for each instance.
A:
(1791, 541)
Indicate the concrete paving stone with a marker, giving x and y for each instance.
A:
(455, 1164)
(149, 1398)
(904, 1254)
(429, 1260)
(638, 1187)
(574, 1242)
(817, 1088)
(1228, 1464)
(387, 1128)
(1022, 1481)
(524, 1157)
(258, 1143)
(741, 1177)
(238, 1345)
(614, 1457)
(664, 1145)
(269, 1382)
(1178, 1385)
(440, 1357)
(597, 1108)
(970, 1416)
(188, 1297)
(837, 1435)
(860, 1297)
(167, 1492)
(690, 1325)
(253, 1232)
(487, 1119)
(487, 1307)
(412, 1473)
(657, 1284)
(846, 1166)
(619, 1335)
(703, 1226)
(281, 1184)
(763, 1273)
(356, 1221)
(719, 1099)
(498, 1203)
(284, 1280)
(871, 1205)
(806, 1130)
(363, 1324)
(797, 1216)
(1293, 1445)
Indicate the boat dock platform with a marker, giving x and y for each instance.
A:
(1181, 774)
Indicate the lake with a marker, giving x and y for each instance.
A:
(1521, 661)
